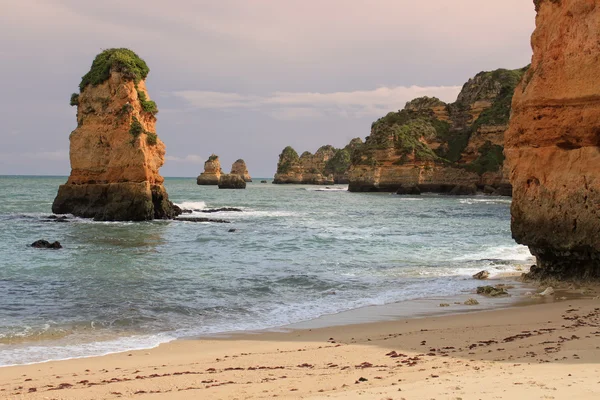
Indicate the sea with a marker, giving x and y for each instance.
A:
(295, 253)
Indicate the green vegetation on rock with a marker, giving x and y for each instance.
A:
(74, 99)
(287, 159)
(499, 112)
(490, 159)
(151, 138)
(136, 127)
(339, 163)
(148, 106)
(213, 157)
(120, 60)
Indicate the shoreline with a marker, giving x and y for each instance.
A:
(399, 310)
(463, 350)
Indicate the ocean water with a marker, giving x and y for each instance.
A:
(298, 253)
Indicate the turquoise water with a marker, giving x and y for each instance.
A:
(299, 252)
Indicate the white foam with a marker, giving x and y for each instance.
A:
(485, 201)
(24, 355)
(191, 205)
(506, 253)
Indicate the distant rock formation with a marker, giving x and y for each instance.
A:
(437, 146)
(326, 167)
(212, 172)
(239, 168)
(553, 143)
(115, 152)
(232, 181)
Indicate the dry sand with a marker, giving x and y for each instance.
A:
(545, 351)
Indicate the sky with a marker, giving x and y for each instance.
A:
(245, 78)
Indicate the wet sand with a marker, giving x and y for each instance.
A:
(542, 351)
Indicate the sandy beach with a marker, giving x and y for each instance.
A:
(543, 351)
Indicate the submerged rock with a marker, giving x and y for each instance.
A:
(481, 275)
(493, 291)
(231, 181)
(115, 152)
(471, 302)
(185, 219)
(44, 244)
(222, 209)
(553, 143)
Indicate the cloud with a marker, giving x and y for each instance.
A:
(189, 159)
(300, 105)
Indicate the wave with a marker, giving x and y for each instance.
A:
(499, 253)
(485, 201)
(191, 205)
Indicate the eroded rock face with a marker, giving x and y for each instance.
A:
(232, 181)
(239, 168)
(552, 145)
(212, 172)
(115, 152)
(440, 147)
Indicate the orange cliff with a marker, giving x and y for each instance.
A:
(114, 151)
(553, 143)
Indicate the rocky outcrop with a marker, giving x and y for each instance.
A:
(553, 144)
(439, 147)
(232, 181)
(239, 168)
(212, 171)
(115, 152)
(326, 167)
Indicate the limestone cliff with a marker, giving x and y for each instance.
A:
(239, 168)
(438, 146)
(326, 167)
(212, 172)
(114, 151)
(553, 143)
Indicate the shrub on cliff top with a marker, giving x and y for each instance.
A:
(121, 60)
(213, 157)
(287, 159)
(339, 163)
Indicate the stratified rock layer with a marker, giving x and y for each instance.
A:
(440, 147)
(239, 168)
(552, 146)
(115, 152)
(212, 172)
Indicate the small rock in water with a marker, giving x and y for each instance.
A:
(232, 230)
(471, 302)
(492, 291)
(481, 275)
(444, 305)
(548, 292)
(263, 181)
(44, 244)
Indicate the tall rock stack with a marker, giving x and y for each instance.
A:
(553, 143)
(212, 172)
(239, 168)
(115, 152)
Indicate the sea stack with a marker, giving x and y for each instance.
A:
(115, 152)
(553, 143)
(212, 171)
(239, 168)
